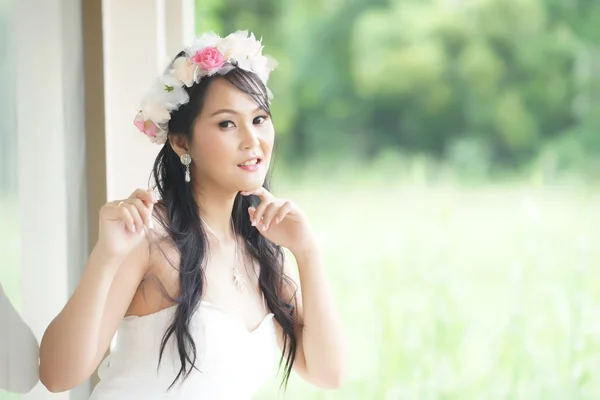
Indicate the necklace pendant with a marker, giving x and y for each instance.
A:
(240, 283)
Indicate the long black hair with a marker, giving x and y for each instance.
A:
(178, 213)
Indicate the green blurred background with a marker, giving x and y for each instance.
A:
(447, 154)
(480, 85)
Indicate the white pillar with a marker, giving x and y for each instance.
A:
(51, 160)
(179, 25)
(136, 36)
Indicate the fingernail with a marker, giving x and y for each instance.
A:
(151, 224)
(132, 228)
(253, 223)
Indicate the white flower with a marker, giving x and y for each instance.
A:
(184, 71)
(254, 47)
(154, 110)
(206, 40)
(245, 64)
(262, 66)
(166, 95)
(169, 93)
(168, 80)
(169, 90)
(176, 97)
(239, 47)
(272, 63)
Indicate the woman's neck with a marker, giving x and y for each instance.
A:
(215, 211)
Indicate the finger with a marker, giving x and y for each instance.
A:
(144, 211)
(258, 214)
(121, 213)
(251, 212)
(138, 222)
(283, 211)
(269, 214)
(145, 195)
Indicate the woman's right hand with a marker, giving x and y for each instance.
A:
(123, 223)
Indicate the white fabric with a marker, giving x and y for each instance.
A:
(234, 362)
(19, 350)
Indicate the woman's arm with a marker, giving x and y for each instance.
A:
(321, 353)
(321, 348)
(76, 340)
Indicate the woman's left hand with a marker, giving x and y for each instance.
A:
(281, 221)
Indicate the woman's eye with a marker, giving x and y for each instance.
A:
(259, 119)
(226, 124)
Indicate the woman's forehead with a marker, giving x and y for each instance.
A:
(223, 95)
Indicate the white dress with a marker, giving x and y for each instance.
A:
(233, 361)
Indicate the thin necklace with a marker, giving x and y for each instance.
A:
(238, 278)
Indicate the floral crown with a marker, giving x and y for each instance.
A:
(209, 55)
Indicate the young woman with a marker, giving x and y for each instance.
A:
(195, 279)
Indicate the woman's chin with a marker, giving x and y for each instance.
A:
(250, 186)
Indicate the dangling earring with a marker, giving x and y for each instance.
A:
(186, 160)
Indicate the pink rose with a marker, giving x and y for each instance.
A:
(209, 59)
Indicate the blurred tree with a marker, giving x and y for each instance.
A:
(359, 77)
(496, 70)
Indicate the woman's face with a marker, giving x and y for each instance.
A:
(233, 140)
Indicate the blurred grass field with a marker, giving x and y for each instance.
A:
(447, 290)
(460, 292)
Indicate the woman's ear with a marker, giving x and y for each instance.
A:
(179, 144)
